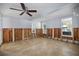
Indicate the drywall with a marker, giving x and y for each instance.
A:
(53, 23)
(56, 22)
(1, 36)
(75, 17)
(75, 22)
(9, 22)
(1, 29)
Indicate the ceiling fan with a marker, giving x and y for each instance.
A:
(24, 10)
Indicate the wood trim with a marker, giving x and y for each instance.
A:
(52, 32)
(22, 34)
(13, 34)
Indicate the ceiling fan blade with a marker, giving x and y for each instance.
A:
(23, 6)
(16, 9)
(29, 14)
(22, 13)
(32, 10)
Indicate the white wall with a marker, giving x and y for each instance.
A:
(9, 22)
(1, 36)
(53, 23)
(56, 23)
(75, 18)
(0, 29)
(75, 22)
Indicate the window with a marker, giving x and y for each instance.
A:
(36, 26)
(67, 26)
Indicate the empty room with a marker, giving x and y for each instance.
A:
(39, 29)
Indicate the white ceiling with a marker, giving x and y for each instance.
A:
(43, 10)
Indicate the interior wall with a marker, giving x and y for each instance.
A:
(75, 21)
(53, 23)
(56, 23)
(0, 36)
(9, 22)
(0, 29)
(75, 17)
